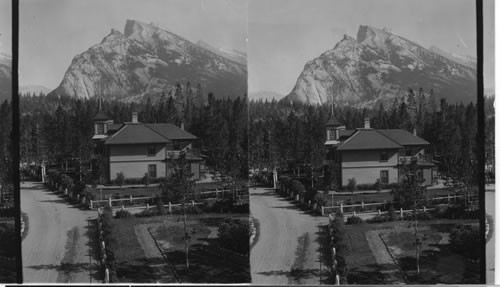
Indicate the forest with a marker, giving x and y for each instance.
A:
(58, 130)
(289, 135)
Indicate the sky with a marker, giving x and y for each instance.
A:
(6, 27)
(52, 32)
(285, 34)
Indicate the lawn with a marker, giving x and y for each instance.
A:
(439, 264)
(139, 259)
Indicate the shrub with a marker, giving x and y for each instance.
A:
(160, 208)
(123, 214)
(354, 220)
(120, 178)
(379, 219)
(351, 184)
(464, 239)
(234, 234)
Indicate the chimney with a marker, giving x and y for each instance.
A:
(414, 131)
(367, 123)
(134, 118)
(182, 125)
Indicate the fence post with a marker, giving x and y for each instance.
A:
(147, 206)
(322, 210)
(401, 212)
(123, 207)
(337, 280)
(109, 201)
(362, 204)
(192, 202)
(169, 207)
(91, 204)
(354, 213)
(131, 199)
(106, 276)
(425, 209)
(65, 191)
(341, 207)
(448, 198)
(379, 213)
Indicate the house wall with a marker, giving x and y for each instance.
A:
(133, 160)
(427, 175)
(365, 166)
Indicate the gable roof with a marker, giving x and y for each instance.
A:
(403, 137)
(101, 116)
(171, 132)
(333, 122)
(135, 134)
(367, 139)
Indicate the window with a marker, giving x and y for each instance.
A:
(384, 176)
(152, 170)
(100, 129)
(384, 156)
(151, 149)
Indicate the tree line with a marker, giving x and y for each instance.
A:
(289, 135)
(59, 129)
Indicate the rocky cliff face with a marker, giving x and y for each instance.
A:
(5, 78)
(146, 61)
(379, 66)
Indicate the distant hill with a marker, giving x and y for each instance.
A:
(264, 95)
(146, 62)
(379, 66)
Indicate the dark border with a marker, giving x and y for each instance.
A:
(15, 136)
(480, 136)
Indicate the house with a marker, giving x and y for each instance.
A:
(368, 154)
(136, 149)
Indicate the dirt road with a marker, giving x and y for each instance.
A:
(286, 251)
(56, 248)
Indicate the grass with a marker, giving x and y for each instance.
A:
(360, 261)
(437, 266)
(209, 262)
(438, 263)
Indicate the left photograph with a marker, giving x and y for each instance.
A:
(8, 236)
(133, 141)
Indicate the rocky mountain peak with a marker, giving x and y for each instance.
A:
(379, 66)
(146, 61)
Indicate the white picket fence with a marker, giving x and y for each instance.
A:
(139, 201)
(325, 210)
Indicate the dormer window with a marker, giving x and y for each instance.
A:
(100, 129)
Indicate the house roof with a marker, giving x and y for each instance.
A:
(346, 133)
(135, 134)
(366, 139)
(139, 133)
(403, 137)
(101, 116)
(171, 131)
(333, 122)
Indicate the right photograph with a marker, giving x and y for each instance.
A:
(363, 117)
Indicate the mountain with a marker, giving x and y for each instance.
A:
(147, 62)
(234, 55)
(379, 66)
(5, 77)
(264, 95)
(34, 89)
